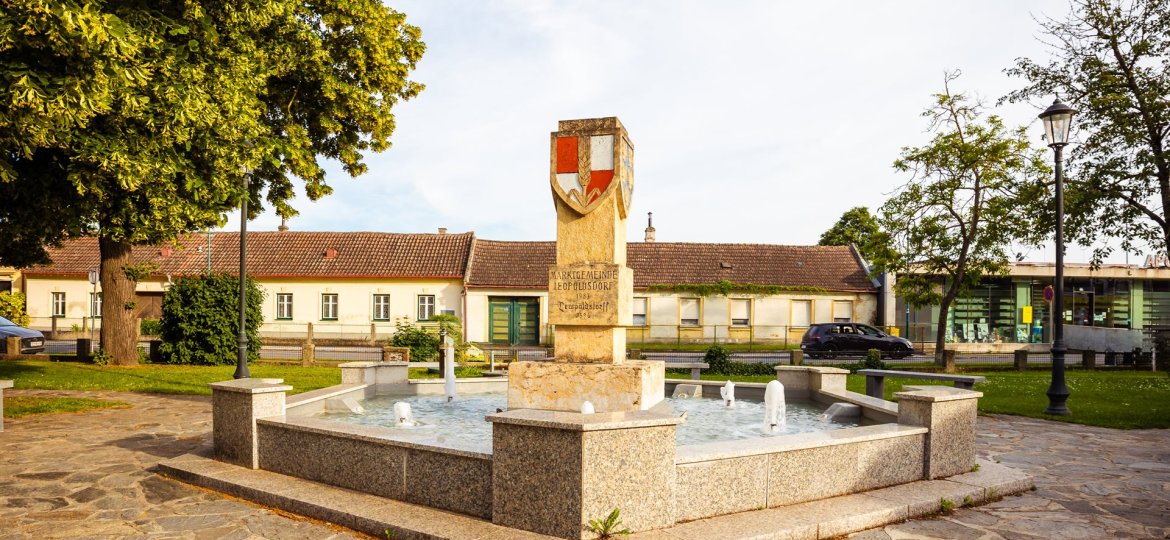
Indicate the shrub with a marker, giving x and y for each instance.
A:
(718, 360)
(12, 307)
(454, 329)
(151, 327)
(424, 345)
(200, 320)
(872, 360)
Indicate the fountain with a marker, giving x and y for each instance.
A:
(621, 447)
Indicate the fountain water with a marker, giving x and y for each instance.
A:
(587, 407)
(404, 415)
(774, 407)
(728, 393)
(449, 372)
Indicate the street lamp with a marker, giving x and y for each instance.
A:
(242, 337)
(1057, 123)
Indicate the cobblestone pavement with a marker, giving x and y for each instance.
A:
(88, 475)
(1091, 483)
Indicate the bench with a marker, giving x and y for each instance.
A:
(696, 367)
(875, 379)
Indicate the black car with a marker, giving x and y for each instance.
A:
(828, 340)
(31, 341)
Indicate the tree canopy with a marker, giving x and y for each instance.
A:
(976, 189)
(137, 121)
(1111, 61)
(859, 228)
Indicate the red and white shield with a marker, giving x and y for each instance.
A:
(584, 170)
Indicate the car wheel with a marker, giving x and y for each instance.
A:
(830, 351)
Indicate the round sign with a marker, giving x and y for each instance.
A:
(1049, 293)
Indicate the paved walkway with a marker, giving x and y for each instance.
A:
(89, 475)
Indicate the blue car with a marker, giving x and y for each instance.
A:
(31, 341)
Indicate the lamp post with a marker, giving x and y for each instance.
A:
(242, 337)
(1057, 123)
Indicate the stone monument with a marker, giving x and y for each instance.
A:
(590, 290)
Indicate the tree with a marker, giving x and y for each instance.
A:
(12, 307)
(859, 228)
(200, 320)
(1111, 61)
(139, 121)
(976, 188)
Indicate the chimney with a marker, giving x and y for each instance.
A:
(442, 230)
(330, 253)
(649, 226)
(283, 225)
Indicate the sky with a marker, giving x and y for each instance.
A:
(753, 122)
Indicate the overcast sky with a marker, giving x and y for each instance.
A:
(752, 121)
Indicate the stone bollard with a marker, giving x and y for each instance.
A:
(1088, 359)
(308, 353)
(235, 406)
(1021, 359)
(949, 361)
(949, 414)
(12, 346)
(3, 385)
(796, 357)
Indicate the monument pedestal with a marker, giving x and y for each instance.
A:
(563, 386)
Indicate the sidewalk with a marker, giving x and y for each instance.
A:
(90, 475)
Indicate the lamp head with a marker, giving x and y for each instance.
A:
(1057, 122)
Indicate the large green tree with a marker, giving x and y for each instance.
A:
(1111, 60)
(859, 228)
(976, 189)
(138, 121)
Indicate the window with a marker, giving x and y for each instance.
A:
(842, 311)
(329, 307)
(284, 306)
(58, 304)
(801, 312)
(381, 307)
(639, 312)
(741, 312)
(95, 305)
(688, 311)
(426, 306)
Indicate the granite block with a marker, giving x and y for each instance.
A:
(949, 414)
(886, 462)
(3, 384)
(712, 488)
(924, 498)
(235, 407)
(687, 391)
(630, 469)
(795, 381)
(842, 515)
(457, 483)
(997, 480)
(561, 386)
(812, 473)
(536, 474)
(359, 465)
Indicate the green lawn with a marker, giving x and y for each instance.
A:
(461, 372)
(1116, 399)
(154, 378)
(18, 406)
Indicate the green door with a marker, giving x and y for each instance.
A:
(514, 321)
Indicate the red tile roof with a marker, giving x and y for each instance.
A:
(289, 254)
(524, 265)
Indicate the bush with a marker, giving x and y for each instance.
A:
(424, 346)
(718, 360)
(873, 360)
(151, 327)
(201, 318)
(12, 307)
(454, 329)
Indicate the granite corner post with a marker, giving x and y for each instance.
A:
(553, 472)
(379, 375)
(949, 414)
(235, 407)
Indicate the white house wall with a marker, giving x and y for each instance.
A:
(355, 304)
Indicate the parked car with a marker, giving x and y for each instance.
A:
(828, 340)
(31, 341)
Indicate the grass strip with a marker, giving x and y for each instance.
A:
(19, 406)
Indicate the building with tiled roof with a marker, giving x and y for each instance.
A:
(346, 283)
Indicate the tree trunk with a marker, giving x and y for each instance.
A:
(119, 336)
(940, 336)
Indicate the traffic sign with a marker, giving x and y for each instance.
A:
(1049, 293)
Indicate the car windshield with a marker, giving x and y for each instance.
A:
(869, 330)
(6, 322)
